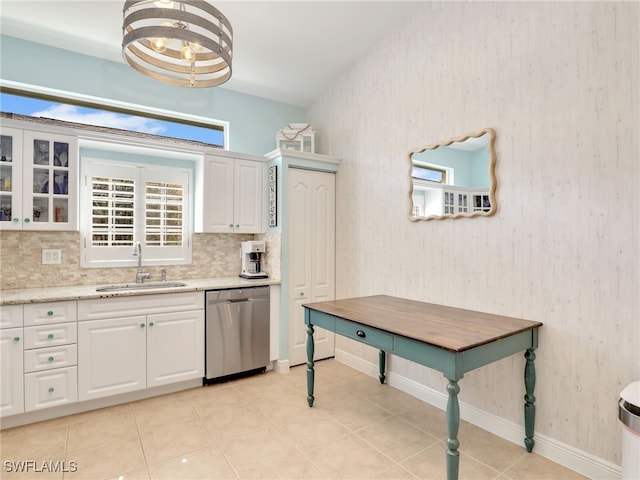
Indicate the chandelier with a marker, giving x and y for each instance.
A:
(184, 43)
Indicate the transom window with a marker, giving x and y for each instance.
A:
(105, 113)
(429, 173)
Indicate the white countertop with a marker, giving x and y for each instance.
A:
(81, 292)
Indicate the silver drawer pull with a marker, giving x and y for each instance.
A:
(360, 333)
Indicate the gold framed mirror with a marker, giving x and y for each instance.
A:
(454, 178)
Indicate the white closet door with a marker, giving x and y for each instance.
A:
(311, 255)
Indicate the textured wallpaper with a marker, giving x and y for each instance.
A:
(558, 81)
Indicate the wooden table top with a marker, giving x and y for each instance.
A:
(450, 328)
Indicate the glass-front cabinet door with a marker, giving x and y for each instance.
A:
(38, 177)
(10, 178)
(49, 181)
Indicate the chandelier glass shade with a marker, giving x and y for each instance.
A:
(184, 43)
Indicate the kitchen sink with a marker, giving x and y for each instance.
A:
(129, 287)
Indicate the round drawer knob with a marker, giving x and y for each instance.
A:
(50, 389)
(50, 336)
(16, 339)
(27, 220)
(151, 324)
(302, 294)
(50, 359)
(15, 220)
(142, 325)
(50, 313)
(361, 334)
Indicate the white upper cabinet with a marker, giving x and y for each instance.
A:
(38, 176)
(231, 199)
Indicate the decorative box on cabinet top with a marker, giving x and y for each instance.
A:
(296, 136)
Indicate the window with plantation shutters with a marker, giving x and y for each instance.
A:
(113, 206)
(125, 203)
(163, 214)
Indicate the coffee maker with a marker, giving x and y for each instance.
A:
(251, 252)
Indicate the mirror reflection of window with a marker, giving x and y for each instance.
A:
(454, 178)
(430, 173)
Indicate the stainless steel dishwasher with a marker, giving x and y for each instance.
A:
(237, 331)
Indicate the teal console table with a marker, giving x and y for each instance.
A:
(451, 340)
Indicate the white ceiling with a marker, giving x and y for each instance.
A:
(288, 51)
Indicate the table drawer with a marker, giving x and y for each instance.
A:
(50, 357)
(10, 316)
(50, 335)
(367, 335)
(50, 388)
(49, 312)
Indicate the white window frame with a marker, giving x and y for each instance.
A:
(122, 256)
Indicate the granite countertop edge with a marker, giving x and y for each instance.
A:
(83, 292)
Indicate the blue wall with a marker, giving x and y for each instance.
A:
(253, 121)
(480, 168)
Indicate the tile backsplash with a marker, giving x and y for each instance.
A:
(214, 255)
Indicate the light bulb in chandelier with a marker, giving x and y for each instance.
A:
(187, 54)
(164, 3)
(159, 44)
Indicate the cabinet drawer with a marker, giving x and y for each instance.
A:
(50, 312)
(50, 335)
(51, 357)
(106, 308)
(50, 388)
(367, 335)
(10, 316)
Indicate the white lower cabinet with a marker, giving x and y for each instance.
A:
(118, 355)
(49, 335)
(112, 356)
(175, 347)
(11, 386)
(50, 388)
(50, 358)
(57, 353)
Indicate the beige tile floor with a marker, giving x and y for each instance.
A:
(261, 427)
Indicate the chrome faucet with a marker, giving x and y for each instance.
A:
(141, 276)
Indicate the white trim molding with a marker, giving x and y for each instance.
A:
(281, 366)
(561, 453)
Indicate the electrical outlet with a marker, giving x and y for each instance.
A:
(51, 256)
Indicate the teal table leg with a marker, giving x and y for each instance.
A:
(529, 399)
(453, 424)
(310, 372)
(382, 363)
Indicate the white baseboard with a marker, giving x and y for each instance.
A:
(281, 366)
(87, 405)
(561, 453)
